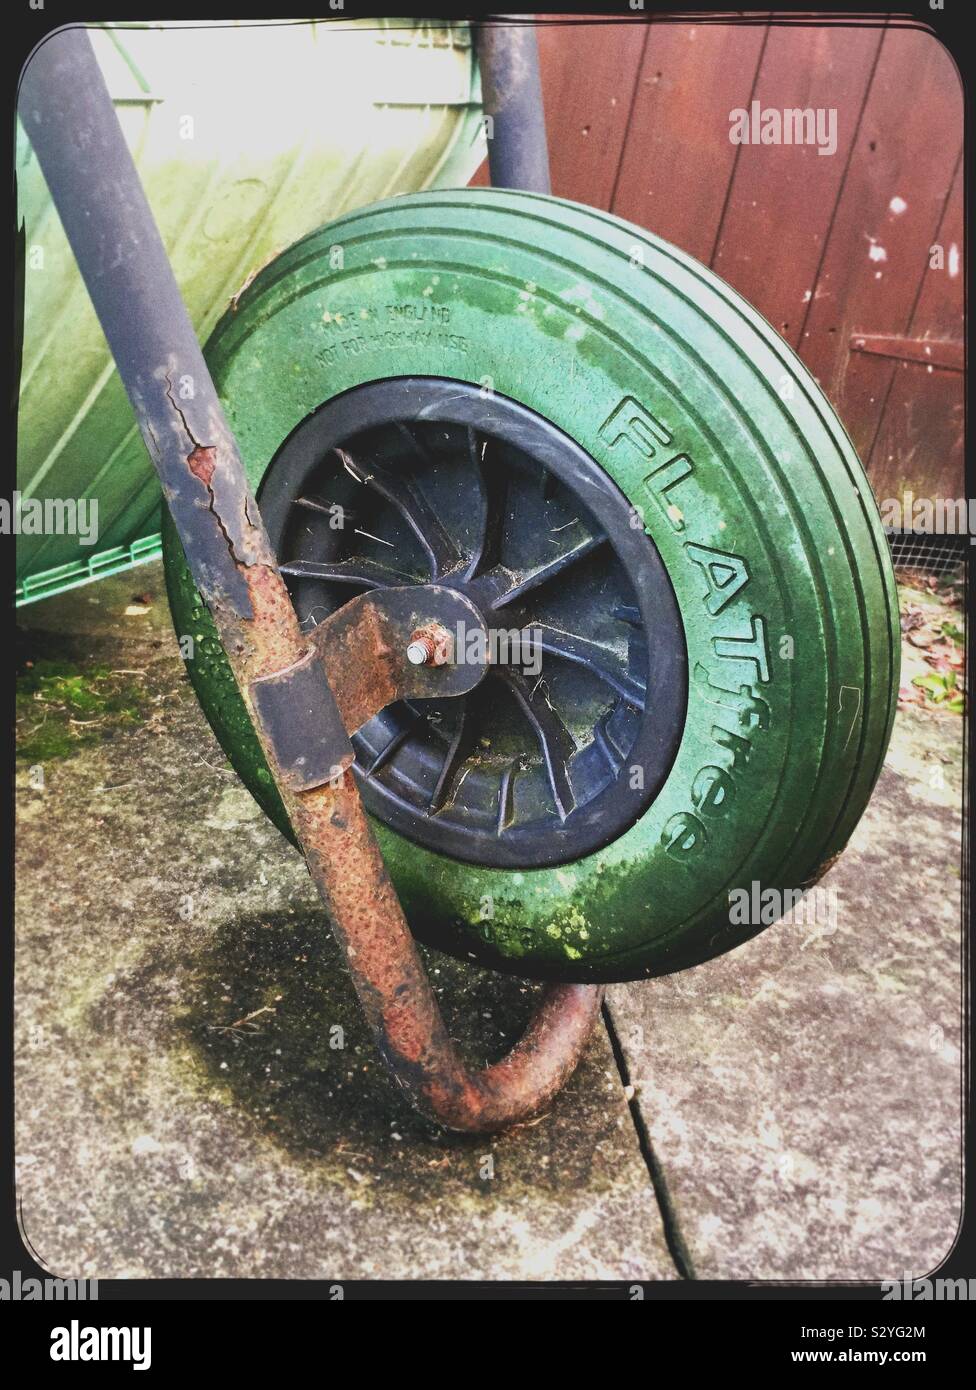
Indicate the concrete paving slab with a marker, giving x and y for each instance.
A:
(183, 1105)
(802, 1094)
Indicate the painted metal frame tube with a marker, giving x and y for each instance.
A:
(508, 54)
(68, 114)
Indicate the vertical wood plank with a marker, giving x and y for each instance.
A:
(920, 441)
(589, 71)
(783, 196)
(678, 158)
(888, 216)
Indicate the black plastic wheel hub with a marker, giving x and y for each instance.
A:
(573, 731)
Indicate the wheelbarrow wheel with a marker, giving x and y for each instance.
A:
(610, 452)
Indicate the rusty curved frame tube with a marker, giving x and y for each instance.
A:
(397, 998)
(69, 116)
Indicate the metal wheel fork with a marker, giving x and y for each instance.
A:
(304, 698)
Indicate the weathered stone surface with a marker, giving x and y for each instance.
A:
(180, 1110)
(802, 1094)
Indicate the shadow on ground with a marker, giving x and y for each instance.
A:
(270, 1017)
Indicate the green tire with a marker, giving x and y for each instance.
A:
(745, 480)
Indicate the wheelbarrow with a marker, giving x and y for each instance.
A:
(526, 576)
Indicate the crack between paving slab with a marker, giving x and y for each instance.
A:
(672, 1227)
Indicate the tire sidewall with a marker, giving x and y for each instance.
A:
(654, 395)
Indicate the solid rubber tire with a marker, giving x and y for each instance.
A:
(773, 540)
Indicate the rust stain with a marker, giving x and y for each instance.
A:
(203, 461)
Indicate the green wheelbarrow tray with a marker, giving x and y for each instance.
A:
(372, 108)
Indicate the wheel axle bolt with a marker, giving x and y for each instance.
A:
(429, 646)
(421, 652)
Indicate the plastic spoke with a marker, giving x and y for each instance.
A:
(493, 481)
(556, 743)
(627, 613)
(390, 749)
(506, 800)
(367, 574)
(443, 555)
(501, 586)
(605, 663)
(329, 509)
(450, 776)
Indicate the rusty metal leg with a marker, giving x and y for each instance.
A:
(69, 117)
(399, 1003)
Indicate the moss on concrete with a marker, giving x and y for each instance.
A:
(61, 706)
